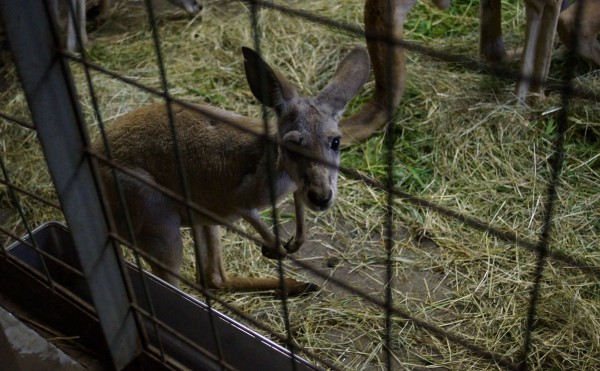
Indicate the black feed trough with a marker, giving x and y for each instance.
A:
(182, 326)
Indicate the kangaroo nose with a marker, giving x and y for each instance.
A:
(318, 200)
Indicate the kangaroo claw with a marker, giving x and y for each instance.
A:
(292, 245)
(270, 253)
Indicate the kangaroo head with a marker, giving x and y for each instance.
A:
(307, 129)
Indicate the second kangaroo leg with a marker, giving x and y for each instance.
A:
(209, 261)
(580, 34)
(491, 44)
(76, 25)
(213, 269)
(160, 237)
(542, 18)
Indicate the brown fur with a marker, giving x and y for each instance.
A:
(586, 30)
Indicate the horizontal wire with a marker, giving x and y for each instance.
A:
(30, 194)
(474, 223)
(45, 254)
(478, 224)
(17, 121)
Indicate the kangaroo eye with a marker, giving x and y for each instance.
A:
(335, 144)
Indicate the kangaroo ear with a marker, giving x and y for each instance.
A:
(349, 77)
(267, 85)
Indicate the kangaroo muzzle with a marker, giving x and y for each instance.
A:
(320, 188)
(322, 201)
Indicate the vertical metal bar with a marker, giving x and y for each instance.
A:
(94, 99)
(53, 103)
(390, 139)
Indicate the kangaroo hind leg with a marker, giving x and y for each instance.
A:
(154, 220)
(212, 270)
(162, 241)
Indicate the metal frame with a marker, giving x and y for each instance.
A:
(56, 114)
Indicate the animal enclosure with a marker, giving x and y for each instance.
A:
(465, 234)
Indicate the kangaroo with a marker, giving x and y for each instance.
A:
(228, 169)
(545, 18)
(76, 23)
(192, 7)
(586, 29)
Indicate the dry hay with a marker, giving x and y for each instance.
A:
(461, 142)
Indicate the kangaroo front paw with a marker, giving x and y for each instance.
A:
(274, 253)
(293, 244)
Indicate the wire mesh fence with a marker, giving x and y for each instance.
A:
(442, 332)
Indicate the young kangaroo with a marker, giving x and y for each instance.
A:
(228, 169)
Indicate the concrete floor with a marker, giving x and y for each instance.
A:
(21, 348)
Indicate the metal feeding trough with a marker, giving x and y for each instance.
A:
(182, 327)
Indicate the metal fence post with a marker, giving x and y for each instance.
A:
(52, 99)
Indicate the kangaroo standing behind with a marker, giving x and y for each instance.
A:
(384, 22)
(544, 19)
(583, 31)
(228, 170)
(76, 23)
